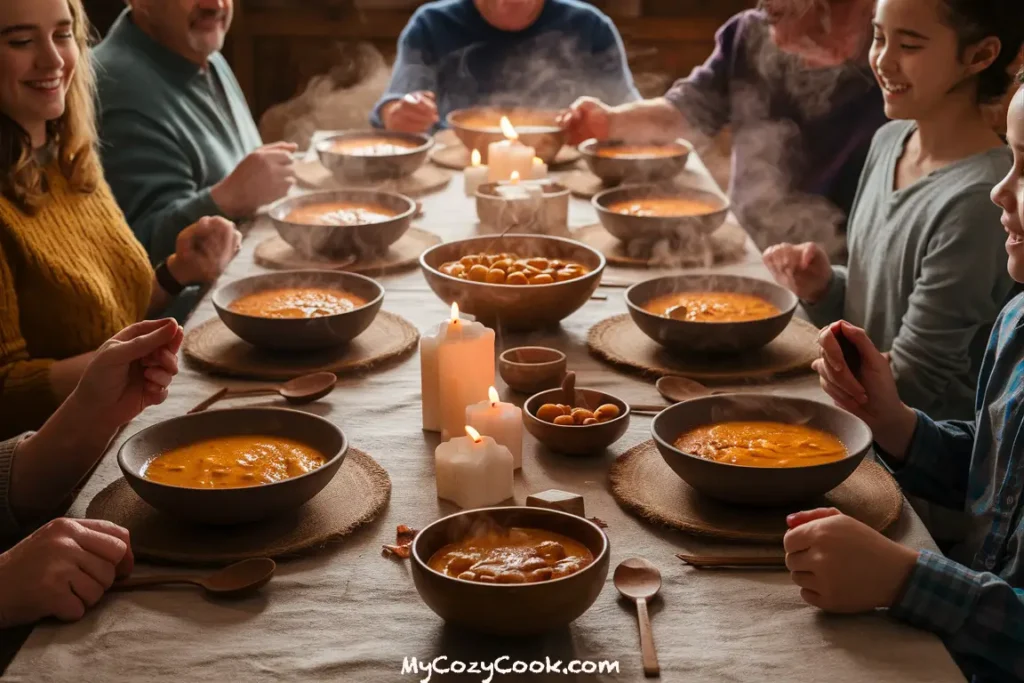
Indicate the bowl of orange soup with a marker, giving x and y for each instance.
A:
(614, 161)
(710, 314)
(362, 155)
(233, 466)
(343, 223)
(651, 212)
(761, 449)
(478, 127)
(297, 310)
(512, 571)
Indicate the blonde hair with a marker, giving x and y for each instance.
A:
(22, 178)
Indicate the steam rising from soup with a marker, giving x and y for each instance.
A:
(372, 147)
(339, 214)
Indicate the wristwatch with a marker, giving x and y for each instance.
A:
(166, 280)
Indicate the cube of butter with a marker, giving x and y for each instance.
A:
(558, 500)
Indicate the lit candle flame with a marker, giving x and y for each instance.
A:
(455, 312)
(473, 434)
(475, 157)
(508, 130)
(515, 178)
(537, 161)
(492, 393)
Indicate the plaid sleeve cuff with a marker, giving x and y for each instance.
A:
(939, 596)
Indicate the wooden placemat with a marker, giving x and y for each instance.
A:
(402, 255)
(619, 341)
(428, 178)
(643, 483)
(457, 157)
(356, 495)
(726, 245)
(216, 349)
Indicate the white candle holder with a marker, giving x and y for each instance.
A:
(543, 213)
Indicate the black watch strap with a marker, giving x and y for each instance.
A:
(167, 281)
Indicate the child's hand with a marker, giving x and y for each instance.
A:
(842, 565)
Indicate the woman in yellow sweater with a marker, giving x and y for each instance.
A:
(71, 272)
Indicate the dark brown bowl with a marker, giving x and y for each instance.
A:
(348, 167)
(639, 169)
(529, 369)
(576, 440)
(710, 338)
(334, 241)
(478, 127)
(628, 228)
(294, 334)
(514, 307)
(232, 506)
(510, 609)
(760, 486)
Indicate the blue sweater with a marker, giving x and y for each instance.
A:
(449, 49)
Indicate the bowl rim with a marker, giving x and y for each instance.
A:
(605, 547)
(623, 415)
(321, 147)
(596, 272)
(340, 273)
(589, 148)
(668, 193)
(850, 452)
(788, 311)
(452, 123)
(127, 471)
(311, 197)
(543, 364)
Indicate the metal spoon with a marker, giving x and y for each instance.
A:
(679, 389)
(305, 389)
(639, 580)
(235, 580)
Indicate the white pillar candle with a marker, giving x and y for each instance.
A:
(475, 175)
(473, 471)
(501, 421)
(509, 155)
(540, 169)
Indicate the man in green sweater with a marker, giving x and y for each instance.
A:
(178, 140)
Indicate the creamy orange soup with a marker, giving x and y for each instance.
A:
(233, 462)
(339, 213)
(372, 147)
(712, 307)
(762, 444)
(512, 556)
(297, 302)
(663, 207)
(638, 152)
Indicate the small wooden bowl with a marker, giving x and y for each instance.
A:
(348, 167)
(529, 369)
(628, 228)
(639, 169)
(232, 506)
(296, 334)
(551, 217)
(478, 127)
(576, 440)
(510, 609)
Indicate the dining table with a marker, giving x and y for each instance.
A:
(345, 612)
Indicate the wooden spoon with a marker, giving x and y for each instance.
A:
(569, 390)
(679, 389)
(235, 580)
(305, 389)
(639, 580)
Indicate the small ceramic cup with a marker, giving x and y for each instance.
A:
(529, 369)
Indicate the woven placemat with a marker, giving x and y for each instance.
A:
(644, 484)
(402, 255)
(618, 340)
(356, 495)
(215, 349)
(428, 178)
(457, 157)
(726, 245)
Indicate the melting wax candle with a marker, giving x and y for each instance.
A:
(502, 421)
(475, 174)
(509, 155)
(473, 471)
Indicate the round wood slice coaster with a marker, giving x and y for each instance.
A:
(428, 178)
(216, 349)
(726, 245)
(402, 255)
(356, 495)
(644, 484)
(457, 157)
(619, 341)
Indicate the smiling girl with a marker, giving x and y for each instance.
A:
(926, 275)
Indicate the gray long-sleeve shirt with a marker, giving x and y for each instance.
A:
(927, 272)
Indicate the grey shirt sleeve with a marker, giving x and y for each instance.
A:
(959, 289)
(832, 305)
(9, 526)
